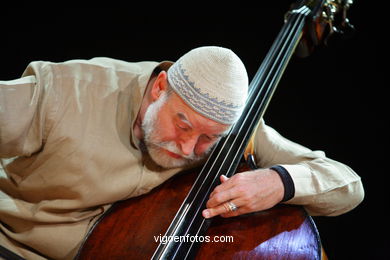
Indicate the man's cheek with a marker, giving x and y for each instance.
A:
(202, 149)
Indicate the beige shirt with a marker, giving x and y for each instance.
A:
(69, 152)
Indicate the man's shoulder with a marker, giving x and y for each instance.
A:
(116, 64)
(97, 63)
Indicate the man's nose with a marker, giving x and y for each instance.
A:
(188, 144)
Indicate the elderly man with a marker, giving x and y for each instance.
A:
(79, 135)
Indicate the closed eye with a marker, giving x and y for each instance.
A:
(183, 122)
(211, 138)
(183, 127)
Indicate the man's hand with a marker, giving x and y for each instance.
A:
(250, 191)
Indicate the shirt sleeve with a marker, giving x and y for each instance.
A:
(23, 113)
(323, 186)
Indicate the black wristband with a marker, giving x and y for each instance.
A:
(288, 183)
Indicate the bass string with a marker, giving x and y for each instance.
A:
(287, 48)
(250, 114)
(295, 21)
(271, 53)
(256, 82)
(270, 85)
(256, 79)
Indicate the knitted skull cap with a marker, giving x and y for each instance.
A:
(213, 81)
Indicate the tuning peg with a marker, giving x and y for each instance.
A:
(339, 27)
(340, 33)
(347, 29)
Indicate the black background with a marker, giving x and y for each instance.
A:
(333, 100)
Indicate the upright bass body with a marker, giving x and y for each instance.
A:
(133, 229)
(167, 223)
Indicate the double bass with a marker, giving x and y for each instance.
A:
(167, 223)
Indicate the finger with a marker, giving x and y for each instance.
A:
(212, 212)
(241, 209)
(225, 184)
(238, 212)
(223, 178)
(220, 197)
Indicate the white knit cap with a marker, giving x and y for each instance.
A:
(213, 81)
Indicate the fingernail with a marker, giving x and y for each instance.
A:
(206, 213)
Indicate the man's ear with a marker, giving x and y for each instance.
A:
(159, 85)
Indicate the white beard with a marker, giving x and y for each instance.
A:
(154, 145)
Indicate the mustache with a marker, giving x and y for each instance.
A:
(172, 147)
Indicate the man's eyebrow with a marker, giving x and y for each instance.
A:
(183, 118)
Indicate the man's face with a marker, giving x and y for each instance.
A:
(177, 136)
